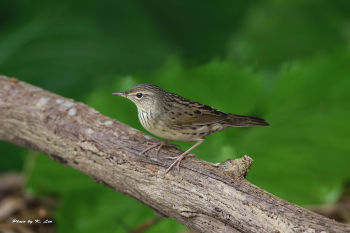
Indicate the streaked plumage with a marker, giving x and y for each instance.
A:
(170, 116)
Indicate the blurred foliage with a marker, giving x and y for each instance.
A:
(278, 31)
(285, 61)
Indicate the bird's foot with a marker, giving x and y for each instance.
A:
(179, 158)
(177, 161)
(175, 157)
(159, 145)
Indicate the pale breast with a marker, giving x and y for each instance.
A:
(157, 126)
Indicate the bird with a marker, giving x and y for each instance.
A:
(175, 118)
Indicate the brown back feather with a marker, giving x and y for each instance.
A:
(194, 113)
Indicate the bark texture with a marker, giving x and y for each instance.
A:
(203, 196)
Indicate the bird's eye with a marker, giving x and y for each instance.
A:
(139, 95)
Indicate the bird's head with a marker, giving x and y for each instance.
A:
(145, 96)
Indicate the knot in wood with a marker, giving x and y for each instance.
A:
(237, 168)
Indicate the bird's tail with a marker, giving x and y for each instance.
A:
(243, 121)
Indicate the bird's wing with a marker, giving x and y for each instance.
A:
(190, 113)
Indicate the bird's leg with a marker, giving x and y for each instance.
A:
(182, 156)
(159, 145)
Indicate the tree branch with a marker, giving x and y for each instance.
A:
(202, 196)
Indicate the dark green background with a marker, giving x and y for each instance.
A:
(285, 61)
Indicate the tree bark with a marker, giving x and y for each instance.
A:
(203, 196)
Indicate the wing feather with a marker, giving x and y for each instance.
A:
(191, 113)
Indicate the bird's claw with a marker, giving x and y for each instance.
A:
(175, 157)
(177, 161)
(159, 145)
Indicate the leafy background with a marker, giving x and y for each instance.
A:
(286, 61)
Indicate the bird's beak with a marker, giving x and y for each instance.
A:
(122, 94)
